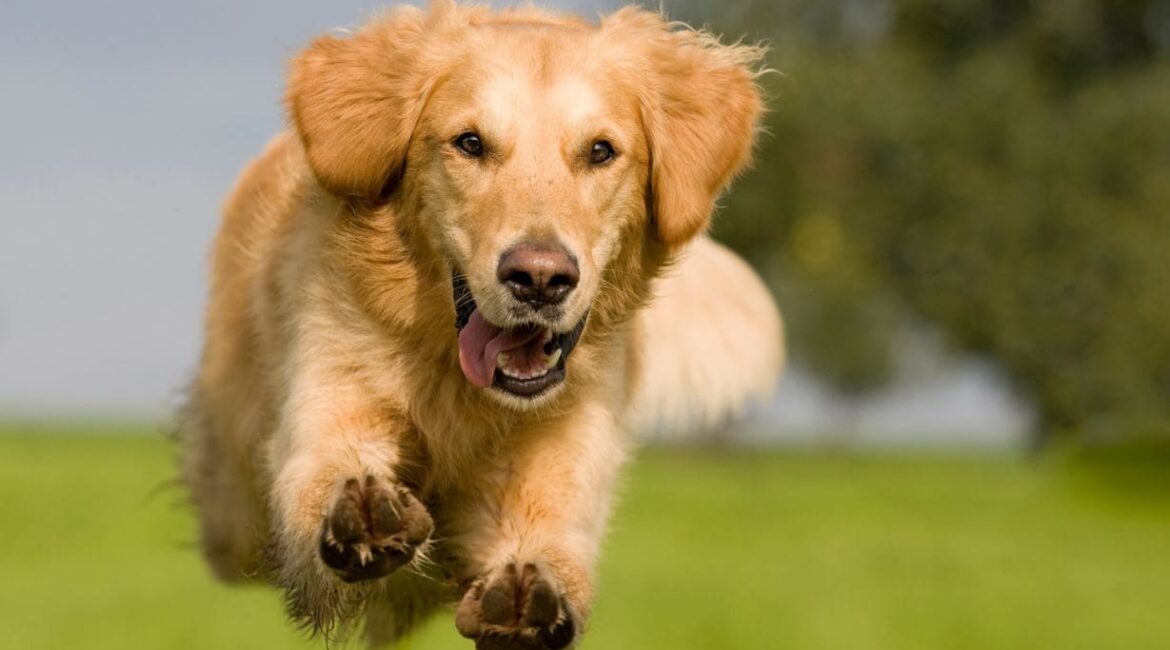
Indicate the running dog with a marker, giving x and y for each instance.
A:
(440, 300)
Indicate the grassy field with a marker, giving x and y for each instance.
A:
(708, 551)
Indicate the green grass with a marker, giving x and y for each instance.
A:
(707, 551)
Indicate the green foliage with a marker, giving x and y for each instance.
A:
(750, 552)
(999, 170)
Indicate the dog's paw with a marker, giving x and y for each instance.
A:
(373, 529)
(516, 608)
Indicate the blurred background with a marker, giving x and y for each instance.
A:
(963, 208)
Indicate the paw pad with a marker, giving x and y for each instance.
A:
(372, 529)
(516, 608)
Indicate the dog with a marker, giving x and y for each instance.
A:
(442, 298)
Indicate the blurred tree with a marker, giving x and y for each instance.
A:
(998, 168)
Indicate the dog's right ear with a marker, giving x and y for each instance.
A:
(354, 102)
(701, 108)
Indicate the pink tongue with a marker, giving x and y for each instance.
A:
(480, 343)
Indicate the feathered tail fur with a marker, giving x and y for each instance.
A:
(710, 344)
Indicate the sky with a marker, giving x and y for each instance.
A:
(122, 127)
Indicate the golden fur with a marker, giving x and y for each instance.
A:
(331, 368)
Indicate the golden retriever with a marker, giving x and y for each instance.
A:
(440, 300)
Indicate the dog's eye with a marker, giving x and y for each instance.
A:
(601, 152)
(470, 144)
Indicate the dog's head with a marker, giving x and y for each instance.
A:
(550, 164)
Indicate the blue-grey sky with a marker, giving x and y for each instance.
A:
(122, 127)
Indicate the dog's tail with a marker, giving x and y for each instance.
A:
(710, 344)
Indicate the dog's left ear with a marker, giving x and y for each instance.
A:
(701, 109)
(354, 102)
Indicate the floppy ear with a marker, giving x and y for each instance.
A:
(355, 102)
(701, 108)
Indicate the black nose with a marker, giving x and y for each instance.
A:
(539, 274)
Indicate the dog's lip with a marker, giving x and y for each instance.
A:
(464, 302)
(529, 388)
(465, 306)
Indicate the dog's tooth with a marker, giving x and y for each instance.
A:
(551, 361)
(546, 337)
(502, 359)
(365, 554)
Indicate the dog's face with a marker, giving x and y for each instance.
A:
(537, 157)
(533, 164)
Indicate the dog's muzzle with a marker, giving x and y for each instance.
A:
(524, 361)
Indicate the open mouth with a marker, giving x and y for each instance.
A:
(525, 361)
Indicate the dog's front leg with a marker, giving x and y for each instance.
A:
(342, 519)
(528, 535)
